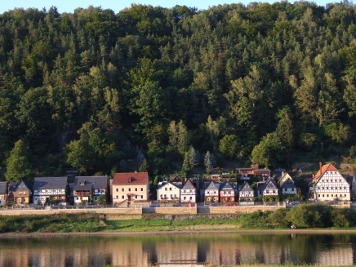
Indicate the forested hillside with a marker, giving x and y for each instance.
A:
(155, 88)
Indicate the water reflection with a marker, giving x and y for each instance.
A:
(222, 249)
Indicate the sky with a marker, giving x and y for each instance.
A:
(117, 5)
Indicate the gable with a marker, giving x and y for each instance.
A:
(327, 167)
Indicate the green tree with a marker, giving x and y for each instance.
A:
(268, 151)
(209, 161)
(193, 157)
(229, 146)
(18, 165)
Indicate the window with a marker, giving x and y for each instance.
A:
(117, 189)
(141, 196)
(184, 198)
(136, 196)
(135, 189)
(129, 189)
(117, 197)
(170, 189)
(123, 197)
(141, 189)
(165, 189)
(123, 190)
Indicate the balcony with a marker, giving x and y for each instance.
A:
(82, 194)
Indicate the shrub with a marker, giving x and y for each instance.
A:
(278, 218)
(340, 218)
(310, 216)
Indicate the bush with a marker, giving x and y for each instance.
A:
(340, 218)
(310, 216)
(352, 151)
(278, 218)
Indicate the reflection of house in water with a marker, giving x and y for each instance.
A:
(176, 250)
(339, 255)
(128, 253)
(226, 250)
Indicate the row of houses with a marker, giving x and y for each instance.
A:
(124, 187)
(327, 185)
(225, 192)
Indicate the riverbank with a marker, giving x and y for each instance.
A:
(184, 232)
(303, 217)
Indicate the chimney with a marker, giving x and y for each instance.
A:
(320, 166)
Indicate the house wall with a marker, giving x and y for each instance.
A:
(211, 198)
(188, 196)
(43, 198)
(43, 194)
(246, 194)
(332, 186)
(168, 192)
(289, 191)
(80, 198)
(22, 197)
(2, 200)
(137, 192)
(227, 196)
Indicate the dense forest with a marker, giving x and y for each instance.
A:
(158, 89)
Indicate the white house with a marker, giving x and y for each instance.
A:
(328, 184)
(168, 192)
(286, 184)
(188, 193)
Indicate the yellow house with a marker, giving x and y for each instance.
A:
(130, 186)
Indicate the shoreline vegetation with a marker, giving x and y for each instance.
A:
(305, 218)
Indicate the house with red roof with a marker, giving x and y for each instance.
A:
(130, 187)
(329, 185)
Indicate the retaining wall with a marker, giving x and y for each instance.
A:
(108, 211)
(171, 210)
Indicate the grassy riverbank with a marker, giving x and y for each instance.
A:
(302, 216)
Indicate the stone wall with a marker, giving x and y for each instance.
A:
(236, 209)
(108, 211)
(171, 210)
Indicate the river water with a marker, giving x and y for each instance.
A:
(220, 249)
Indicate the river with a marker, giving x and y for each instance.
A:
(221, 249)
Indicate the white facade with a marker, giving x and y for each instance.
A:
(246, 194)
(188, 196)
(332, 186)
(43, 195)
(168, 192)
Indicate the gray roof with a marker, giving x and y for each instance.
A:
(95, 182)
(288, 184)
(227, 186)
(3, 188)
(188, 185)
(269, 184)
(212, 186)
(50, 183)
(246, 187)
(22, 185)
